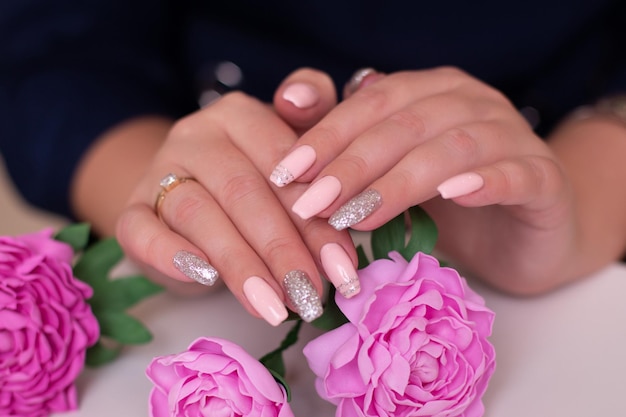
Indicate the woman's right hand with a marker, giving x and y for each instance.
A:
(226, 220)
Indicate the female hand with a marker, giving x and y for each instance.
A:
(447, 141)
(217, 214)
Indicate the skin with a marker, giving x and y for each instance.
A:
(546, 215)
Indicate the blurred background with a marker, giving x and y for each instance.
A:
(17, 216)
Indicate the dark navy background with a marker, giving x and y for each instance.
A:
(69, 69)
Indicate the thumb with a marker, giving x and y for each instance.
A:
(304, 98)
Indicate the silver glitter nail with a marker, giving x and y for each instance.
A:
(281, 176)
(356, 209)
(195, 268)
(303, 295)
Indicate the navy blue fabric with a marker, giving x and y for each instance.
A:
(70, 69)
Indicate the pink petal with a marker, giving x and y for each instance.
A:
(321, 351)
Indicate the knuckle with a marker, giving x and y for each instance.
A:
(545, 173)
(183, 128)
(152, 245)
(239, 189)
(355, 164)
(187, 207)
(409, 120)
(378, 99)
(328, 135)
(277, 247)
(143, 243)
(461, 142)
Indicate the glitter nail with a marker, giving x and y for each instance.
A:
(356, 209)
(195, 268)
(303, 295)
(281, 176)
(350, 288)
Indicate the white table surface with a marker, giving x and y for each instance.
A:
(561, 354)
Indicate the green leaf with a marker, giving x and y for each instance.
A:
(274, 362)
(123, 328)
(362, 257)
(76, 235)
(122, 293)
(423, 233)
(392, 236)
(274, 359)
(97, 261)
(282, 381)
(389, 237)
(99, 354)
(332, 317)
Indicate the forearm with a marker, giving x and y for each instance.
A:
(111, 168)
(592, 153)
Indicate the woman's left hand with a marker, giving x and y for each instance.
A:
(447, 141)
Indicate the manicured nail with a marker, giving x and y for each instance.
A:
(340, 270)
(301, 95)
(293, 165)
(303, 295)
(195, 268)
(265, 300)
(317, 197)
(356, 209)
(461, 185)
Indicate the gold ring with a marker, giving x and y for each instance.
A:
(168, 183)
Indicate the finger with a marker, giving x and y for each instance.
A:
(277, 240)
(149, 241)
(304, 97)
(338, 263)
(364, 109)
(370, 156)
(332, 252)
(415, 177)
(532, 181)
(191, 212)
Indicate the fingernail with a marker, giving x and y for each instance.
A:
(461, 185)
(356, 209)
(301, 95)
(303, 295)
(293, 165)
(264, 300)
(195, 268)
(340, 270)
(317, 197)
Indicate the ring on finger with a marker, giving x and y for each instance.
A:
(168, 183)
(354, 83)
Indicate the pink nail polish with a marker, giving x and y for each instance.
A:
(301, 95)
(317, 197)
(340, 270)
(293, 165)
(264, 300)
(460, 185)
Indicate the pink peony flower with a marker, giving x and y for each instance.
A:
(416, 344)
(214, 378)
(45, 326)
